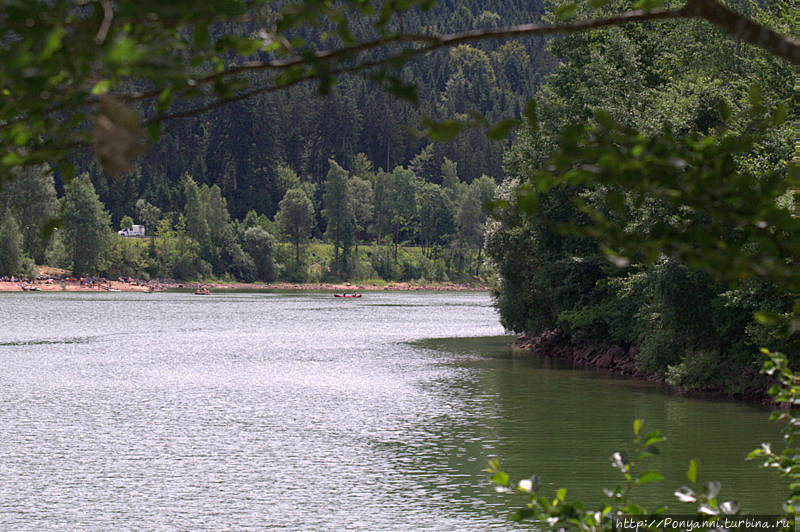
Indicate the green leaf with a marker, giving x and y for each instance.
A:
(53, 43)
(649, 476)
(12, 158)
(637, 426)
(531, 114)
(154, 131)
(724, 110)
(523, 513)
(650, 449)
(767, 318)
(201, 37)
(101, 87)
(616, 202)
(755, 96)
(503, 128)
(501, 477)
(691, 474)
(566, 10)
(444, 131)
(561, 494)
(652, 437)
(50, 226)
(246, 46)
(780, 114)
(648, 4)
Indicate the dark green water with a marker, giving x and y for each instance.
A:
(301, 411)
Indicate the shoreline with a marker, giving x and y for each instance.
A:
(620, 361)
(136, 285)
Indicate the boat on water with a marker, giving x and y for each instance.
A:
(203, 291)
(347, 295)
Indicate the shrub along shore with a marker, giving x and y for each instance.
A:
(621, 360)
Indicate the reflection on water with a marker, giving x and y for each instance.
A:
(303, 411)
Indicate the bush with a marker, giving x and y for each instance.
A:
(362, 269)
(295, 272)
(382, 261)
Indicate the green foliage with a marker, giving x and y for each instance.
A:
(126, 222)
(31, 198)
(11, 255)
(652, 190)
(295, 218)
(127, 257)
(403, 206)
(557, 513)
(260, 245)
(719, 215)
(785, 392)
(148, 215)
(339, 215)
(86, 226)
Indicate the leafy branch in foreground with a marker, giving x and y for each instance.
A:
(712, 210)
(786, 394)
(64, 61)
(557, 513)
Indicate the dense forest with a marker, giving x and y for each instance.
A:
(222, 189)
(689, 82)
(243, 147)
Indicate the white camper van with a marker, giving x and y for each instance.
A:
(135, 230)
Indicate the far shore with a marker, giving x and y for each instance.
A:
(135, 285)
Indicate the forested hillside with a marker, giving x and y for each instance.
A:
(222, 189)
(241, 147)
(683, 306)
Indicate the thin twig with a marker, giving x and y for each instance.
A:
(108, 16)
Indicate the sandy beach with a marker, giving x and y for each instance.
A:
(102, 285)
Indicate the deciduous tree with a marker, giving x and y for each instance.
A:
(295, 218)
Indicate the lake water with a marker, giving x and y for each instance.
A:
(302, 411)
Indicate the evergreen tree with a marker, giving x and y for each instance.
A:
(436, 216)
(360, 191)
(86, 226)
(339, 214)
(10, 246)
(404, 206)
(31, 198)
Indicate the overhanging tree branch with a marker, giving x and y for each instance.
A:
(732, 23)
(299, 66)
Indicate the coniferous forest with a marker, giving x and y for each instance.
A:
(223, 189)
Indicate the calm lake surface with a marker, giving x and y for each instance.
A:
(301, 411)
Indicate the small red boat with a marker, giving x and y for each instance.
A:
(347, 295)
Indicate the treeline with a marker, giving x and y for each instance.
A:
(242, 147)
(359, 206)
(663, 80)
(251, 154)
